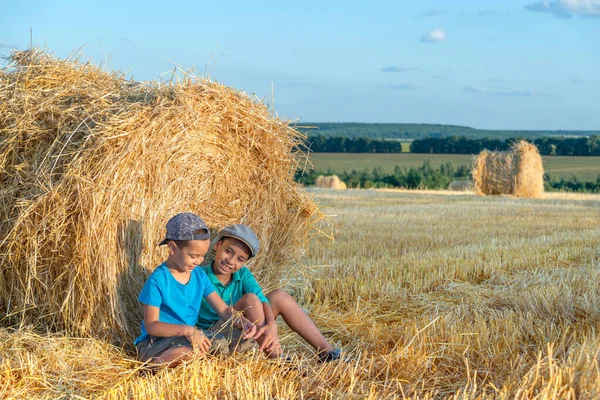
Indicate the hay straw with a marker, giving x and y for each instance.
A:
(93, 165)
(518, 172)
(330, 182)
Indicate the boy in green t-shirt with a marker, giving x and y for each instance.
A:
(236, 285)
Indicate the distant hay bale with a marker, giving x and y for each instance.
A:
(518, 172)
(460, 186)
(330, 182)
(93, 165)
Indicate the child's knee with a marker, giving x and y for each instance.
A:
(250, 299)
(183, 350)
(280, 297)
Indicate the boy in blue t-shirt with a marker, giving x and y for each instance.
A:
(236, 285)
(172, 296)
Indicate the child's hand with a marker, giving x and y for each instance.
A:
(249, 329)
(198, 340)
(270, 342)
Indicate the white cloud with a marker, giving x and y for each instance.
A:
(430, 13)
(404, 86)
(7, 45)
(474, 89)
(399, 68)
(434, 36)
(488, 13)
(582, 7)
(126, 40)
(565, 8)
(504, 93)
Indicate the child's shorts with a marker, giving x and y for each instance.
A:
(154, 346)
(226, 338)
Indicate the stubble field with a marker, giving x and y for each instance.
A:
(433, 294)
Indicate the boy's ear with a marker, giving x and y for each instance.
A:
(172, 246)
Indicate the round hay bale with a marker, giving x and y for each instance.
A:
(460, 186)
(529, 174)
(330, 182)
(321, 181)
(518, 172)
(92, 166)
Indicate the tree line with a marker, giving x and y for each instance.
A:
(341, 144)
(420, 131)
(559, 146)
(549, 146)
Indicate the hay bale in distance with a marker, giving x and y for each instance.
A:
(461, 186)
(518, 172)
(330, 182)
(93, 165)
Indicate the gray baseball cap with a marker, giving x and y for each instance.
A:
(244, 233)
(186, 226)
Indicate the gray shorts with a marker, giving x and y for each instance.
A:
(226, 338)
(154, 346)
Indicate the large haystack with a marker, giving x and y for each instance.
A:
(518, 172)
(91, 168)
(330, 182)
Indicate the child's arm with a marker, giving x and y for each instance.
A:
(225, 313)
(155, 327)
(268, 330)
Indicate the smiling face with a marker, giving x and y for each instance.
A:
(230, 256)
(185, 258)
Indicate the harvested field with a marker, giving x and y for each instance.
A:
(436, 295)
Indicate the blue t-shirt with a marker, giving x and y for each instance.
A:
(178, 303)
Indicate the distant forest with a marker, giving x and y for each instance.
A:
(421, 131)
(553, 146)
(548, 146)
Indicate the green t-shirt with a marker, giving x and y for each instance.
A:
(242, 282)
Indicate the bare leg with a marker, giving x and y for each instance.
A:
(252, 308)
(283, 304)
(173, 356)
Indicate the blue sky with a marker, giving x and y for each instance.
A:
(507, 64)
